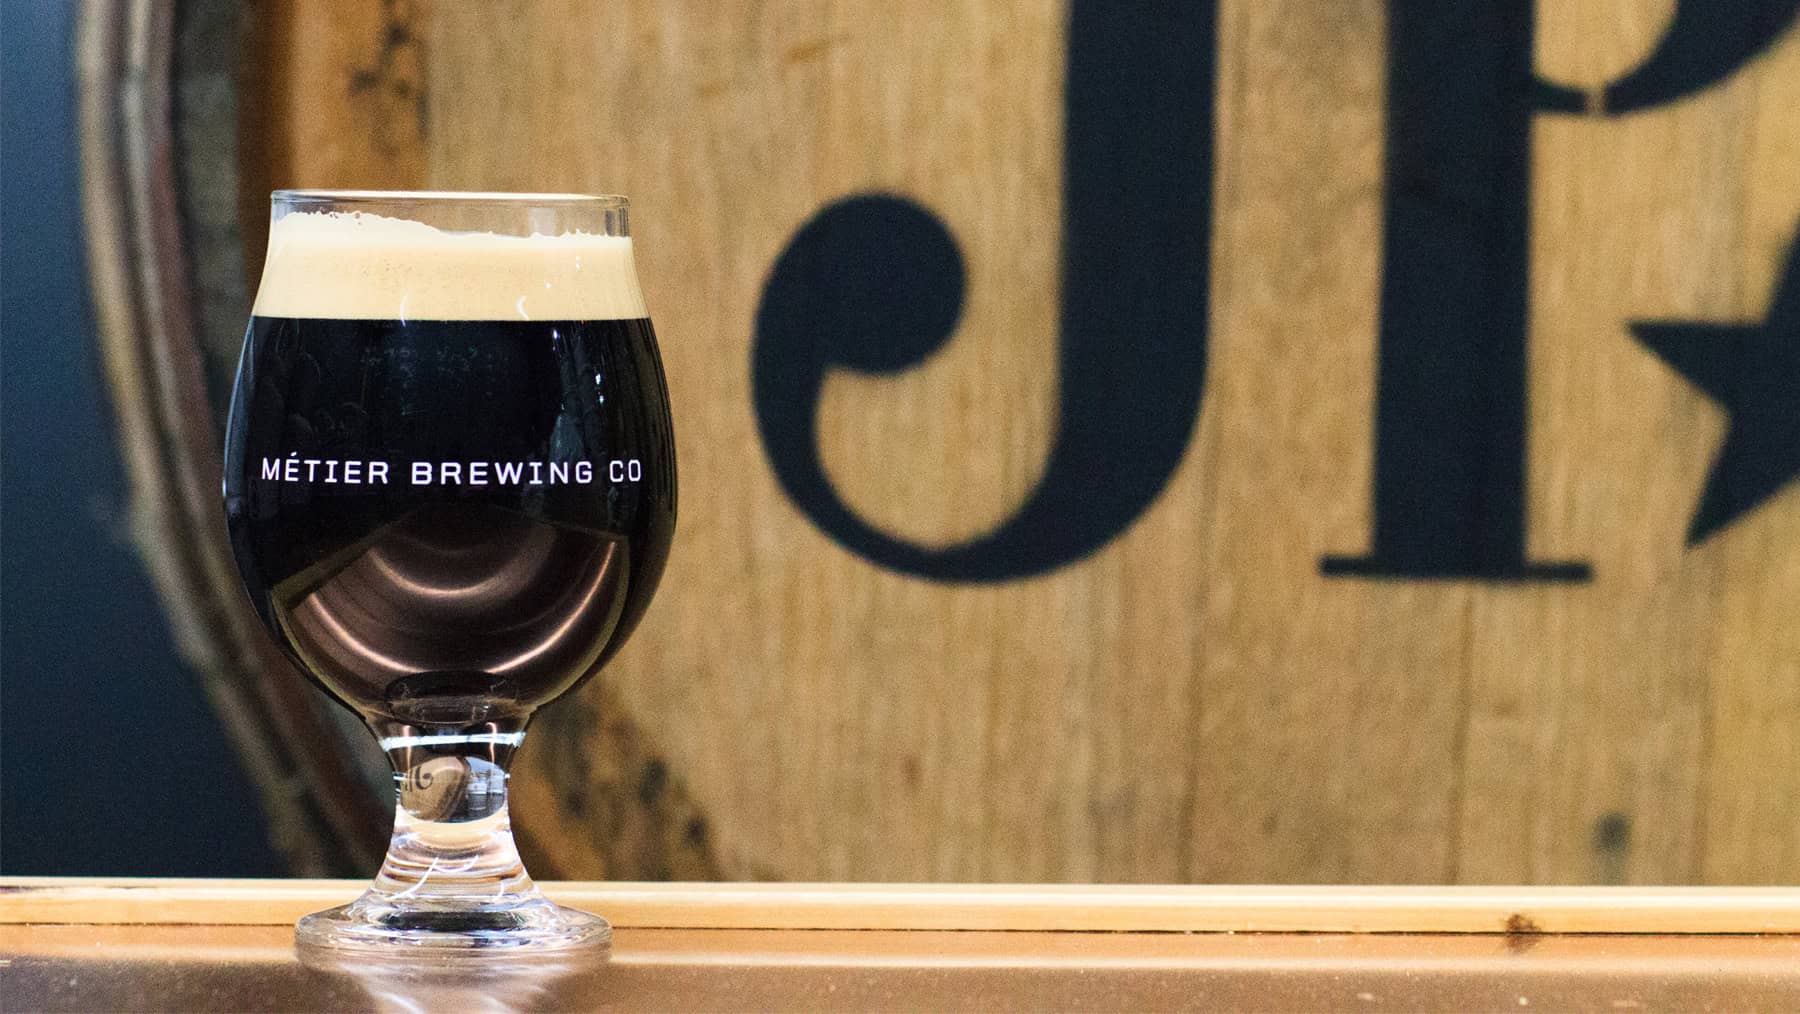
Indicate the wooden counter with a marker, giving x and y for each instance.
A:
(228, 945)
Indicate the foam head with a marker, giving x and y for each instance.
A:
(370, 267)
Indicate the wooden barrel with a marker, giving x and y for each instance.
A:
(1224, 441)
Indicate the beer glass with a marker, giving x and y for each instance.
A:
(450, 488)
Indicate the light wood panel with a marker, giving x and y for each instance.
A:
(332, 96)
(1315, 699)
(1195, 701)
(1597, 712)
(1584, 717)
(1750, 780)
(891, 714)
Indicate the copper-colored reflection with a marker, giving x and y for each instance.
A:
(85, 968)
(479, 599)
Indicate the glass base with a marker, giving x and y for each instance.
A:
(517, 924)
(452, 881)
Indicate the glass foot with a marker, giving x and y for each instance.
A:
(517, 924)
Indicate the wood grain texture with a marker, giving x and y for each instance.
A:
(1195, 701)
(848, 721)
(1750, 779)
(1595, 719)
(332, 96)
(1163, 908)
(1316, 700)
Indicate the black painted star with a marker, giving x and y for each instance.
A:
(1753, 372)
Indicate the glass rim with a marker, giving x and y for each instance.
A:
(498, 198)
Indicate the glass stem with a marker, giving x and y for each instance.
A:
(452, 842)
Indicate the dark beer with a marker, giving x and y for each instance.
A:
(447, 521)
(450, 487)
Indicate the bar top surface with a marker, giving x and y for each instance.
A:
(228, 945)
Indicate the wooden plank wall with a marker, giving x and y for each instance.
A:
(1195, 702)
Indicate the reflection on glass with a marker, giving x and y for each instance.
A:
(450, 485)
(490, 983)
